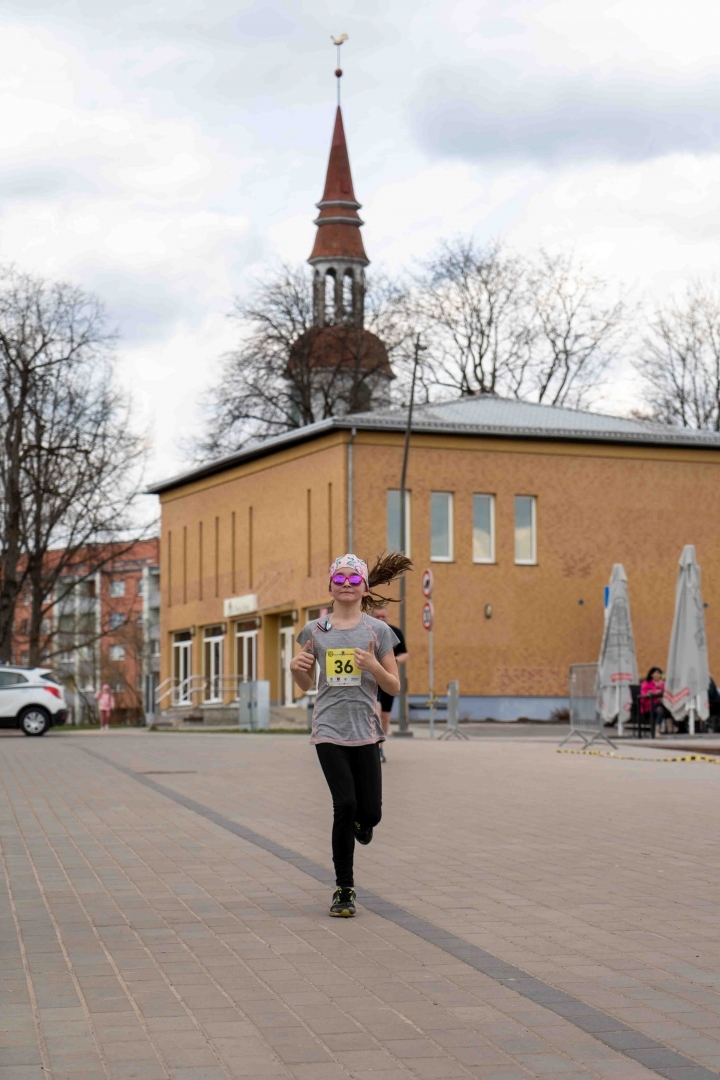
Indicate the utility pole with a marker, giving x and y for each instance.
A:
(403, 727)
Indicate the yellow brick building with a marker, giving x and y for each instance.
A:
(519, 509)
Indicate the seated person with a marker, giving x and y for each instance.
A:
(651, 692)
(714, 703)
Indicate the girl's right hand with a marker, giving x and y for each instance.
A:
(305, 660)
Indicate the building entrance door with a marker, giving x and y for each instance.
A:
(246, 642)
(287, 636)
(182, 668)
(214, 663)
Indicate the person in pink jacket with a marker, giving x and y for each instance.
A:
(651, 692)
(106, 704)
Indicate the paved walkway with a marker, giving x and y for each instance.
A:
(527, 914)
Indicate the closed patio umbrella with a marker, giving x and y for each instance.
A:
(617, 666)
(687, 675)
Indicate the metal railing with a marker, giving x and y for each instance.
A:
(585, 718)
(198, 690)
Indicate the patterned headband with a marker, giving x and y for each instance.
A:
(353, 562)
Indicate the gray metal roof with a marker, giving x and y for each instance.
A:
(480, 416)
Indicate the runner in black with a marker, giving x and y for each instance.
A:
(355, 655)
(401, 655)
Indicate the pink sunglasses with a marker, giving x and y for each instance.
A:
(352, 579)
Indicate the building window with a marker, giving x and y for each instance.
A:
(441, 526)
(393, 521)
(484, 528)
(182, 666)
(117, 587)
(246, 643)
(525, 530)
(117, 652)
(316, 613)
(214, 641)
(116, 619)
(117, 687)
(140, 586)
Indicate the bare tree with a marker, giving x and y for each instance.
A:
(680, 359)
(538, 329)
(492, 321)
(82, 476)
(574, 334)
(286, 373)
(115, 672)
(68, 458)
(470, 304)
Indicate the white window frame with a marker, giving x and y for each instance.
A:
(116, 659)
(247, 641)
(450, 557)
(533, 530)
(484, 495)
(408, 530)
(287, 642)
(117, 588)
(213, 667)
(182, 666)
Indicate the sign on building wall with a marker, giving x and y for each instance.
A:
(240, 605)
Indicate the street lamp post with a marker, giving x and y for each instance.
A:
(403, 726)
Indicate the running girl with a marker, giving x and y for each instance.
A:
(355, 656)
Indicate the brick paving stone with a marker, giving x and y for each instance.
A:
(157, 944)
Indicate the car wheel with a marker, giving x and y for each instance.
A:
(34, 720)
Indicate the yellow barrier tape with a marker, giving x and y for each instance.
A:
(628, 757)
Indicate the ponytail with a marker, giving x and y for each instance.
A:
(386, 568)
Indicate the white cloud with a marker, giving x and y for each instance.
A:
(163, 155)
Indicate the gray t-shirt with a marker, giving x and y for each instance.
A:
(345, 705)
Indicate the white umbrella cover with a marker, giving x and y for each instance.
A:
(687, 675)
(617, 666)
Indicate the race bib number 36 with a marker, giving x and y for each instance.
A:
(341, 669)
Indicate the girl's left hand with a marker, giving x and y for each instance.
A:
(366, 660)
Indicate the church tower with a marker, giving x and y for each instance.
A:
(338, 366)
(338, 256)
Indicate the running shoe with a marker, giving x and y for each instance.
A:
(363, 836)
(343, 903)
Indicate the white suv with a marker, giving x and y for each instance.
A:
(31, 699)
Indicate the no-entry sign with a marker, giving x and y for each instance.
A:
(427, 583)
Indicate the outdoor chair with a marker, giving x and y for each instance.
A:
(713, 723)
(641, 722)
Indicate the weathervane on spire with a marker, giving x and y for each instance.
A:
(338, 42)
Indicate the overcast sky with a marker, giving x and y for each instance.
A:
(165, 154)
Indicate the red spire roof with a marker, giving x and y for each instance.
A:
(338, 235)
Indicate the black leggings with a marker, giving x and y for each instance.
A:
(354, 776)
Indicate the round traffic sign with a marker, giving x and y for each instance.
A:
(427, 583)
(427, 615)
